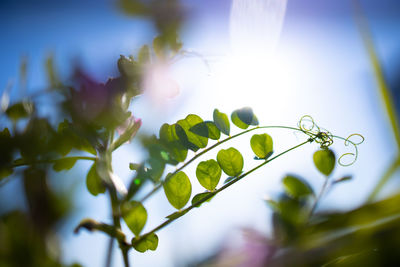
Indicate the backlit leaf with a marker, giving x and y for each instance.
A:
(244, 117)
(221, 121)
(262, 145)
(231, 161)
(178, 189)
(200, 197)
(188, 138)
(208, 173)
(324, 160)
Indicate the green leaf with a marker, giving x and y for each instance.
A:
(188, 138)
(262, 145)
(206, 129)
(20, 110)
(221, 121)
(178, 189)
(208, 173)
(297, 187)
(147, 242)
(64, 164)
(134, 215)
(156, 169)
(325, 161)
(231, 161)
(177, 214)
(200, 197)
(171, 140)
(244, 117)
(94, 183)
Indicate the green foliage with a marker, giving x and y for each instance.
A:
(189, 139)
(221, 121)
(297, 187)
(262, 145)
(208, 173)
(94, 183)
(207, 129)
(325, 161)
(147, 242)
(178, 189)
(231, 161)
(244, 117)
(134, 215)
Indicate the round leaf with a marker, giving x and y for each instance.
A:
(325, 161)
(221, 121)
(64, 164)
(244, 117)
(296, 187)
(178, 189)
(200, 197)
(231, 161)
(208, 173)
(189, 139)
(93, 182)
(262, 145)
(134, 215)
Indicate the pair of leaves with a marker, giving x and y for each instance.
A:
(242, 118)
(325, 161)
(147, 242)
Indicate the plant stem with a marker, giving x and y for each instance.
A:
(324, 187)
(109, 252)
(157, 187)
(184, 211)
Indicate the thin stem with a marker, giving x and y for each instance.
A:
(321, 193)
(19, 164)
(184, 211)
(110, 248)
(157, 187)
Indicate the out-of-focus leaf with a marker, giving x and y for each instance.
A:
(208, 173)
(64, 164)
(200, 197)
(5, 172)
(134, 215)
(297, 187)
(147, 242)
(221, 121)
(324, 160)
(262, 145)
(244, 117)
(171, 140)
(134, 166)
(20, 110)
(178, 189)
(156, 169)
(94, 183)
(231, 161)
